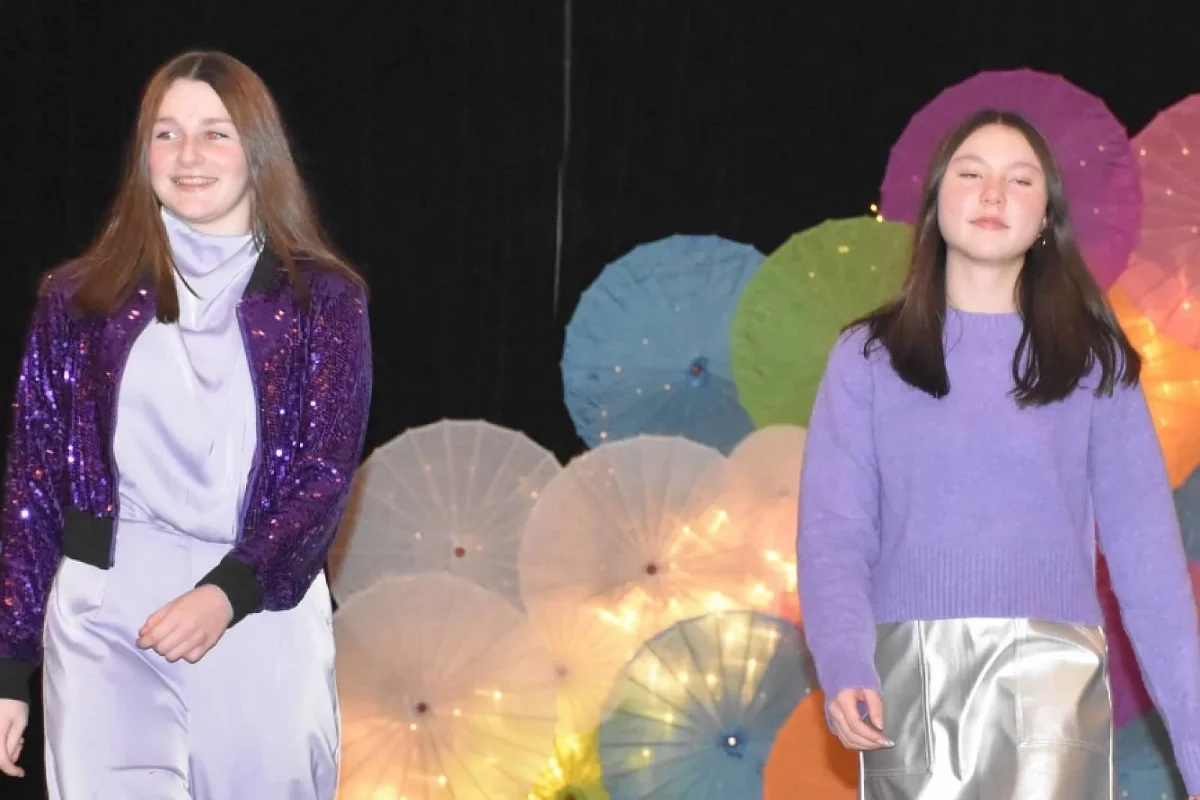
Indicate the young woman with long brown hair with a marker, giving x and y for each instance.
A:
(190, 411)
(968, 443)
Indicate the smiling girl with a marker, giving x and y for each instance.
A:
(968, 443)
(190, 413)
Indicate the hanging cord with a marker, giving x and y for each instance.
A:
(566, 147)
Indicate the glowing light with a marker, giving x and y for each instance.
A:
(718, 602)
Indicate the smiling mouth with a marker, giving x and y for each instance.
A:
(193, 183)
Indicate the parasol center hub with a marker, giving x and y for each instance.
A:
(422, 707)
(460, 551)
(652, 568)
(697, 371)
(733, 742)
(562, 671)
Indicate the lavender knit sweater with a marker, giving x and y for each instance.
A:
(968, 506)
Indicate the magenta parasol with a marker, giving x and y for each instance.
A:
(1090, 144)
(1163, 279)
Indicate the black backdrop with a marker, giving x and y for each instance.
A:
(431, 133)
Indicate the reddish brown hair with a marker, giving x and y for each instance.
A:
(132, 247)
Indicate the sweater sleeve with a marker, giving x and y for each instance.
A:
(838, 542)
(1139, 534)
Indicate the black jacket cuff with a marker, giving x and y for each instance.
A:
(236, 579)
(14, 679)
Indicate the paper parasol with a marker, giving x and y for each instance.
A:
(448, 497)
(696, 712)
(647, 349)
(1171, 382)
(632, 533)
(1187, 507)
(762, 492)
(793, 309)
(445, 689)
(1163, 278)
(574, 773)
(588, 650)
(1090, 145)
(809, 761)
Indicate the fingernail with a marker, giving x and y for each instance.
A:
(888, 743)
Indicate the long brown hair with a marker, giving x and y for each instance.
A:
(132, 246)
(1069, 326)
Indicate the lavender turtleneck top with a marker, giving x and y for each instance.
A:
(917, 508)
(186, 414)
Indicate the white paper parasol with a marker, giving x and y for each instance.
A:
(762, 492)
(446, 691)
(449, 497)
(630, 539)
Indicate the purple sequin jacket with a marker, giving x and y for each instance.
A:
(311, 368)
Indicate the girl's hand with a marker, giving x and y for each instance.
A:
(856, 731)
(188, 626)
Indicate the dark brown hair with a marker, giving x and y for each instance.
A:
(1069, 326)
(132, 247)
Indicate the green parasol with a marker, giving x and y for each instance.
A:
(793, 309)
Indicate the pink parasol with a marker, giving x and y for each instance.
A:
(1090, 144)
(1163, 279)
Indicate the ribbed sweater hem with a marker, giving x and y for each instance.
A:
(951, 582)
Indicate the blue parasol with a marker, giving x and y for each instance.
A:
(1145, 764)
(1187, 506)
(695, 713)
(647, 350)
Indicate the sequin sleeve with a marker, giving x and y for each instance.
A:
(273, 566)
(31, 521)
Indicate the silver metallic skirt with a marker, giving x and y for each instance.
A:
(992, 709)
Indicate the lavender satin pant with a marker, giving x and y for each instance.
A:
(257, 717)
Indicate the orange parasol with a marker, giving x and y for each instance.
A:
(807, 760)
(1171, 381)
